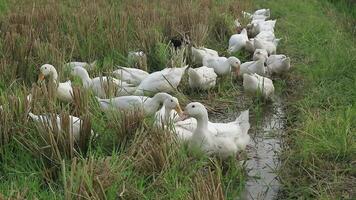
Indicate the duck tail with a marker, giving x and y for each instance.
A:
(92, 64)
(33, 116)
(276, 41)
(243, 121)
(104, 103)
(193, 74)
(244, 32)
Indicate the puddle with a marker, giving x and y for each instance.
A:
(263, 153)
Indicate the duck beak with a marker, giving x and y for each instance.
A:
(184, 116)
(237, 70)
(41, 77)
(179, 110)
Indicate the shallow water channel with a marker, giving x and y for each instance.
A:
(263, 151)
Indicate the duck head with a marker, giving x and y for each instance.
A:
(260, 54)
(235, 65)
(46, 70)
(195, 110)
(172, 103)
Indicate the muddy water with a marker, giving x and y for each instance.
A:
(263, 151)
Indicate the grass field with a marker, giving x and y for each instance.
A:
(320, 37)
(130, 159)
(133, 160)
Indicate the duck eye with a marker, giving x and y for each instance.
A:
(193, 106)
(171, 100)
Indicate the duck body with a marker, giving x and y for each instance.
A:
(270, 47)
(169, 113)
(278, 64)
(137, 59)
(202, 78)
(221, 65)
(266, 36)
(266, 26)
(166, 80)
(74, 123)
(262, 12)
(85, 65)
(146, 104)
(260, 54)
(130, 75)
(250, 45)
(253, 67)
(259, 25)
(102, 85)
(199, 53)
(237, 41)
(64, 91)
(227, 143)
(254, 83)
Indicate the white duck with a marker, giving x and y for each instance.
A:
(250, 45)
(147, 104)
(260, 25)
(186, 127)
(260, 54)
(137, 59)
(257, 66)
(270, 47)
(199, 53)
(237, 41)
(75, 124)
(254, 83)
(278, 64)
(265, 26)
(233, 138)
(101, 85)
(266, 35)
(130, 75)
(64, 90)
(256, 19)
(166, 80)
(257, 14)
(169, 113)
(85, 65)
(202, 78)
(262, 12)
(222, 65)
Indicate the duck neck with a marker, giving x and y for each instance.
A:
(154, 103)
(83, 74)
(167, 114)
(54, 75)
(202, 122)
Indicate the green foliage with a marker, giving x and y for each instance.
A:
(319, 161)
(130, 159)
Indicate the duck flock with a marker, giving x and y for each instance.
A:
(191, 125)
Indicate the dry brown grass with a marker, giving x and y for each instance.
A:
(48, 31)
(154, 151)
(207, 185)
(90, 178)
(34, 33)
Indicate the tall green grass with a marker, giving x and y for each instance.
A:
(130, 159)
(319, 162)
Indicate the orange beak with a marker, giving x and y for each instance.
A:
(183, 117)
(41, 77)
(179, 110)
(237, 71)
